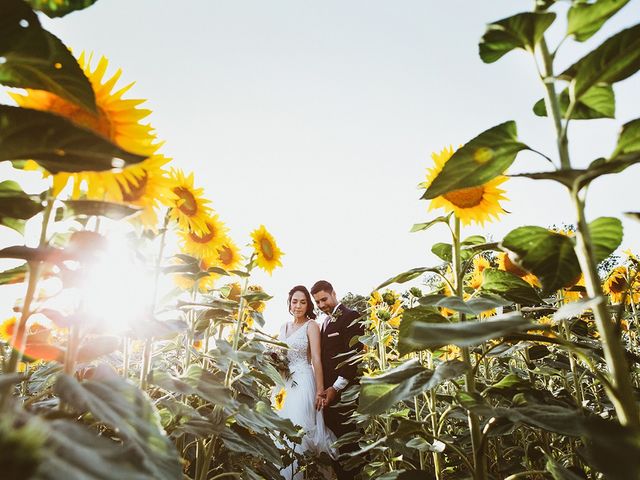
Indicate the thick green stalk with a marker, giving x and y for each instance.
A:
(479, 460)
(623, 400)
(434, 423)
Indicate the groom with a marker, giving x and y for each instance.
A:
(339, 327)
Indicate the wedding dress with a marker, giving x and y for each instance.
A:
(299, 403)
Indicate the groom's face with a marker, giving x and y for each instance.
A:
(326, 301)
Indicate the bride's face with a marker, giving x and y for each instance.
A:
(299, 304)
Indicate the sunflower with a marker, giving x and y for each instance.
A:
(616, 284)
(189, 208)
(473, 204)
(546, 322)
(256, 305)
(279, 399)
(233, 291)
(450, 352)
(204, 245)
(505, 264)
(116, 119)
(266, 249)
(375, 299)
(7, 328)
(479, 264)
(229, 256)
(574, 295)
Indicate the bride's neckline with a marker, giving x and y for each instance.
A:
(286, 329)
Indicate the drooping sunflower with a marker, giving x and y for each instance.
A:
(479, 264)
(505, 264)
(229, 256)
(117, 119)
(204, 245)
(7, 328)
(473, 204)
(279, 398)
(189, 208)
(616, 284)
(268, 253)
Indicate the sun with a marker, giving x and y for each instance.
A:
(474, 204)
(189, 209)
(268, 253)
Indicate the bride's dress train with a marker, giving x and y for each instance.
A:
(299, 403)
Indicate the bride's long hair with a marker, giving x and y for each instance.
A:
(310, 314)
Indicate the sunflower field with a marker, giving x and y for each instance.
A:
(511, 358)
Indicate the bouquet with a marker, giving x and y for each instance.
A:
(277, 356)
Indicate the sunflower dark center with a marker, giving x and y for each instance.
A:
(206, 238)
(135, 192)
(267, 248)
(189, 206)
(225, 255)
(466, 197)
(618, 285)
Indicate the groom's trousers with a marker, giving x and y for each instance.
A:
(334, 418)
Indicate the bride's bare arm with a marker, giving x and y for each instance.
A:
(313, 332)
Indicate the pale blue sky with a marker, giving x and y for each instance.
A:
(318, 119)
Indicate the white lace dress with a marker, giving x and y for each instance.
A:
(299, 403)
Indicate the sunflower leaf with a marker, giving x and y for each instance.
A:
(549, 255)
(407, 276)
(418, 227)
(34, 58)
(585, 19)
(14, 275)
(629, 139)
(475, 306)
(509, 286)
(597, 102)
(16, 206)
(523, 30)
(115, 211)
(420, 334)
(442, 250)
(60, 8)
(59, 146)
(480, 160)
(606, 236)
(616, 59)
(419, 314)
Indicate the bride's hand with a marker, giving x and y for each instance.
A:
(320, 401)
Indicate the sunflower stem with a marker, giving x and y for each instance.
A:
(623, 400)
(479, 460)
(236, 336)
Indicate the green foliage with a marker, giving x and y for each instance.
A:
(597, 102)
(60, 145)
(585, 19)
(34, 58)
(509, 287)
(548, 255)
(523, 31)
(60, 8)
(16, 206)
(478, 161)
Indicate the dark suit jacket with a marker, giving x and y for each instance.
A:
(335, 341)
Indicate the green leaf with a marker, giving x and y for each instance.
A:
(480, 160)
(418, 227)
(14, 275)
(196, 381)
(523, 30)
(606, 236)
(242, 440)
(406, 276)
(612, 449)
(473, 240)
(114, 211)
(424, 334)
(378, 394)
(262, 417)
(442, 251)
(558, 472)
(59, 146)
(60, 8)
(629, 139)
(16, 206)
(509, 287)
(475, 306)
(127, 411)
(419, 314)
(633, 215)
(597, 102)
(575, 309)
(257, 296)
(549, 255)
(34, 58)
(585, 19)
(616, 59)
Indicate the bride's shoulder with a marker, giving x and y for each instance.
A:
(313, 326)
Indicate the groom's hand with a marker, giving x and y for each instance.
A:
(330, 395)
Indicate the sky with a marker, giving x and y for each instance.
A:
(317, 119)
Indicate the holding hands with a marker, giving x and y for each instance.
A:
(326, 398)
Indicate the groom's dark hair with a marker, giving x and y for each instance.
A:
(321, 286)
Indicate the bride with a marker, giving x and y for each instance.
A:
(301, 405)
